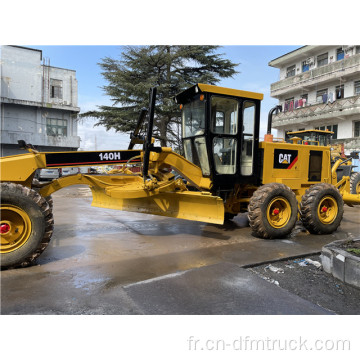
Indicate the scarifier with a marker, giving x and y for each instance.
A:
(226, 170)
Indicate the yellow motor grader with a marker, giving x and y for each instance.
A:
(226, 170)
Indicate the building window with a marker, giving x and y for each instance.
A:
(357, 50)
(321, 96)
(357, 129)
(55, 89)
(304, 98)
(333, 128)
(305, 66)
(56, 127)
(357, 87)
(290, 71)
(339, 54)
(339, 90)
(289, 104)
(322, 60)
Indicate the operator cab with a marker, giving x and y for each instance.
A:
(311, 137)
(220, 133)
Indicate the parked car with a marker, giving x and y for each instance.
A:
(47, 174)
(69, 171)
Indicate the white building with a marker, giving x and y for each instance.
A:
(39, 102)
(319, 88)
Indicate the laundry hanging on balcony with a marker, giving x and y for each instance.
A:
(331, 98)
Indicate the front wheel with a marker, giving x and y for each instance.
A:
(26, 225)
(322, 209)
(272, 211)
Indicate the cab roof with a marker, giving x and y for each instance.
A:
(204, 88)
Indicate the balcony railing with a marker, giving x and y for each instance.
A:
(316, 75)
(12, 137)
(346, 106)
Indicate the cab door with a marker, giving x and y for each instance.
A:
(233, 140)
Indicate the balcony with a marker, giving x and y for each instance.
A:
(343, 68)
(60, 105)
(12, 137)
(339, 108)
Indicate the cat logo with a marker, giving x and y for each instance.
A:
(285, 159)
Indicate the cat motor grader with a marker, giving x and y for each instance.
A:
(226, 170)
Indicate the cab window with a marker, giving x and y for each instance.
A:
(248, 138)
(193, 118)
(224, 115)
(200, 146)
(225, 155)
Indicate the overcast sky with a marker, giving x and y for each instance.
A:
(254, 75)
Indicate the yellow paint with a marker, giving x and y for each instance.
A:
(327, 210)
(184, 205)
(19, 168)
(19, 225)
(232, 92)
(296, 177)
(278, 212)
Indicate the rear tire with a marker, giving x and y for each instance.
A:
(322, 209)
(355, 183)
(26, 225)
(272, 211)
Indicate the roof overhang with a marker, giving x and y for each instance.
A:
(204, 88)
(301, 53)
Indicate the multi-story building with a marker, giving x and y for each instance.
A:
(38, 102)
(319, 88)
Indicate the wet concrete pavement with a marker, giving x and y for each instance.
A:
(96, 254)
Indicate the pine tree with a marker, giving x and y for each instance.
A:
(172, 69)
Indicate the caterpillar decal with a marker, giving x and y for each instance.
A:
(285, 159)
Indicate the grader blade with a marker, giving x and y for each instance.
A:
(182, 205)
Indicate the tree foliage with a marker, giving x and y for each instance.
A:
(172, 69)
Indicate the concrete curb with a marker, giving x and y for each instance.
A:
(340, 263)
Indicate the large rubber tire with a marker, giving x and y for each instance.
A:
(355, 183)
(322, 209)
(50, 201)
(37, 187)
(26, 225)
(272, 211)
